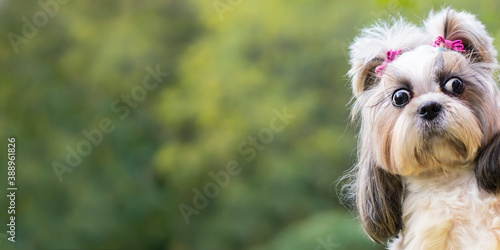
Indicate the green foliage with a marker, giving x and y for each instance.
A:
(230, 73)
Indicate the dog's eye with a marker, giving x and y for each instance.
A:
(454, 86)
(401, 97)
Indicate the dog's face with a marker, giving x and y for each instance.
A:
(428, 111)
(428, 106)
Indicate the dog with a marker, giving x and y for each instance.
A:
(428, 169)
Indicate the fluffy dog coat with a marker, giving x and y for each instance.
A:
(428, 166)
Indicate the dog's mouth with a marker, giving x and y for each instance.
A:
(432, 130)
(436, 144)
(447, 140)
(440, 148)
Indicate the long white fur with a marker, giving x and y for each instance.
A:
(449, 211)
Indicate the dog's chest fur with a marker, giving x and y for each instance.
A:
(448, 211)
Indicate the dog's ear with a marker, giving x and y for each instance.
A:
(454, 25)
(369, 50)
(488, 166)
(379, 199)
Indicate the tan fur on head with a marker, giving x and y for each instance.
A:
(444, 128)
(368, 50)
(454, 25)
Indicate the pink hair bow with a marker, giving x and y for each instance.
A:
(391, 56)
(453, 45)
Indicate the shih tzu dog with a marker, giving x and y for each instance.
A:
(428, 170)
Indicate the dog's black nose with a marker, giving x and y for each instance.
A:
(429, 110)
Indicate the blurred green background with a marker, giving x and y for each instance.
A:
(67, 66)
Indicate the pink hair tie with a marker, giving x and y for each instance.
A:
(391, 56)
(453, 45)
